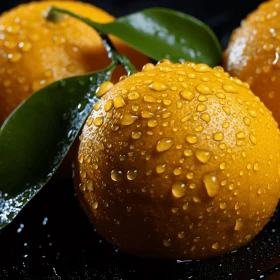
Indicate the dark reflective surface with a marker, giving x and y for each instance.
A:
(52, 238)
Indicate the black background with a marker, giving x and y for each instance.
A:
(53, 239)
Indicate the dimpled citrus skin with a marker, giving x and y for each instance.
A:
(179, 161)
(253, 54)
(35, 52)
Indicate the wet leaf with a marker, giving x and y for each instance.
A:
(37, 136)
(164, 33)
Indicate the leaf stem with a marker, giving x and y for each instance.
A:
(117, 58)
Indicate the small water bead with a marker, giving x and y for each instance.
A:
(211, 183)
(192, 186)
(196, 199)
(148, 67)
(104, 88)
(202, 98)
(185, 206)
(133, 95)
(98, 121)
(115, 127)
(238, 224)
(252, 112)
(240, 135)
(161, 168)
(202, 68)
(167, 242)
(188, 152)
(204, 89)
(108, 105)
(81, 158)
(178, 189)
(202, 155)
(83, 174)
(216, 246)
(149, 99)
(187, 95)
(128, 119)
(192, 139)
(206, 117)
(218, 136)
(201, 108)
(131, 174)
(164, 144)
(152, 123)
(116, 175)
(89, 186)
(190, 175)
(253, 138)
(230, 88)
(247, 121)
(136, 135)
(166, 115)
(177, 171)
(157, 86)
(14, 57)
(119, 102)
(186, 118)
(181, 234)
(221, 95)
(167, 102)
(174, 210)
(94, 205)
(223, 205)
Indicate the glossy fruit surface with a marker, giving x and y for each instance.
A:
(179, 161)
(254, 51)
(35, 52)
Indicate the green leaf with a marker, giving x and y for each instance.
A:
(37, 136)
(163, 33)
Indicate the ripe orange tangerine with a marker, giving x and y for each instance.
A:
(36, 52)
(253, 54)
(179, 161)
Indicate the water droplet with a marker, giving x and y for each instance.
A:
(128, 119)
(259, 191)
(240, 135)
(178, 189)
(177, 171)
(227, 110)
(116, 175)
(14, 57)
(161, 168)
(190, 175)
(253, 138)
(136, 135)
(104, 88)
(203, 155)
(98, 121)
(133, 95)
(211, 183)
(148, 67)
(83, 174)
(81, 158)
(238, 224)
(146, 114)
(152, 123)
(94, 204)
(131, 174)
(256, 166)
(219, 136)
(192, 139)
(230, 88)
(187, 95)
(204, 89)
(108, 105)
(181, 234)
(196, 199)
(150, 99)
(164, 144)
(166, 115)
(157, 86)
(252, 112)
(223, 205)
(119, 102)
(223, 165)
(188, 152)
(247, 121)
(201, 108)
(202, 68)
(216, 246)
(167, 242)
(206, 117)
(185, 206)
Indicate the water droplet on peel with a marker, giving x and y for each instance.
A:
(216, 246)
(178, 189)
(128, 119)
(133, 95)
(206, 117)
(104, 88)
(164, 144)
(247, 121)
(116, 175)
(167, 242)
(150, 99)
(152, 123)
(211, 183)
(201, 108)
(157, 86)
(119, 102)
(188, 152)
(259, 191)
(161, 168)
(181, 234)
(223, 205)
(203, 155)
(192, 139)
(146, 114)
(219, 136)
(98, 121)
(253, 138)
(136, 135)
(108, 105)
(185, 206)
(238, 224)
(253, 113)
(187, 95)
(94, 204)
(148, 67)
(177, 171)
(131, 174)
(204, 89)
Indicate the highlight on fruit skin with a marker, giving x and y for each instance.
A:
(36, 52)
(253, 54)
(179, 161)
